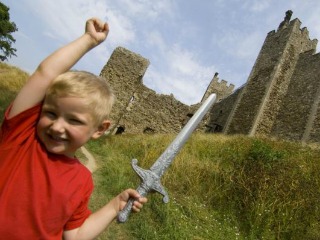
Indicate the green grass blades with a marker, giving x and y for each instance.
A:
(220, 187)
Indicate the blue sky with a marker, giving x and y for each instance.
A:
(186, 41)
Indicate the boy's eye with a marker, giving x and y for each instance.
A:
(50, 114)
(75, 121)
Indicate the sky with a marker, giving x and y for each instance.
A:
(186, 41)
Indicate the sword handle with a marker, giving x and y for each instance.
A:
(125, 212)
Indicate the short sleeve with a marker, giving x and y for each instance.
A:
(17, 128)
(82, 211)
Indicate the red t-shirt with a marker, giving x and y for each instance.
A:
(41, 194)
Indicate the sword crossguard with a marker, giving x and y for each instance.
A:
(149, 181)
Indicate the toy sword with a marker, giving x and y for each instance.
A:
(151, 178)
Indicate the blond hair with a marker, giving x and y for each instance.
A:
(97, 92)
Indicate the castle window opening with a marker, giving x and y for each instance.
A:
(216, 128)
(120, 130)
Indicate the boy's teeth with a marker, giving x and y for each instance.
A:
(57, 138)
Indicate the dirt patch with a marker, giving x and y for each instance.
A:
(90, 162)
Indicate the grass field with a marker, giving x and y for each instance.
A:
(220, 187)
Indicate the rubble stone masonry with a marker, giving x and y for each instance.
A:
(280, 98)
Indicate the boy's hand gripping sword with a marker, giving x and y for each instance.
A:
(151, 178)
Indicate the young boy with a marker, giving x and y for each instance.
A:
(44, 189)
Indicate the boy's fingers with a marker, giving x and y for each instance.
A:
(106, 27)
(133, 193)
(137, 206)
(98, 25)
(143, 200)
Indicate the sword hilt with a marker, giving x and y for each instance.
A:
(149, 181)
(125, 212)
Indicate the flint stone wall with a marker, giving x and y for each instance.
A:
(281, 97)
(301, 102)
(139, 109)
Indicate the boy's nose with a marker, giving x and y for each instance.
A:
(58, 125)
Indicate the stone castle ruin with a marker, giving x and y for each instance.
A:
(139, 109)
(281, 97)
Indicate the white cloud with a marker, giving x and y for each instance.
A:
(121, 29)
(184, 89)
(60, 19)
(146, 9)
(181, 74)
(65, 20)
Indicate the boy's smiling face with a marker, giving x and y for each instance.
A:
(66, 124)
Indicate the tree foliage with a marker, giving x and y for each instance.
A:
(6, 39)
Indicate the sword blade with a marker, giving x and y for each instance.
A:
(166, 158)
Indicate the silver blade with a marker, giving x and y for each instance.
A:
(164, 161)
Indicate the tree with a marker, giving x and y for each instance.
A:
(6, 28)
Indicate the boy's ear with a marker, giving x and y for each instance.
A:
(104, 126)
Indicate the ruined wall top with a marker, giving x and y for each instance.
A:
(294, 26)
(220, 88)
(139, 109)
(286, 20)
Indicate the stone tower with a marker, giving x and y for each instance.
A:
(298, 118)
(220, 88)
(256, 109)
(124, 71)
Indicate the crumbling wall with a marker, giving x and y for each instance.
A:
(153, 113)
(139, 109)
(220, 88)
(124, 72)
(281, 97)
(220, 112)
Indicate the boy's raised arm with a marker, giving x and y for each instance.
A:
(57, 63)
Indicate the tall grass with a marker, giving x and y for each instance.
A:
(220, 187)
(11, 79)
(186, 216)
